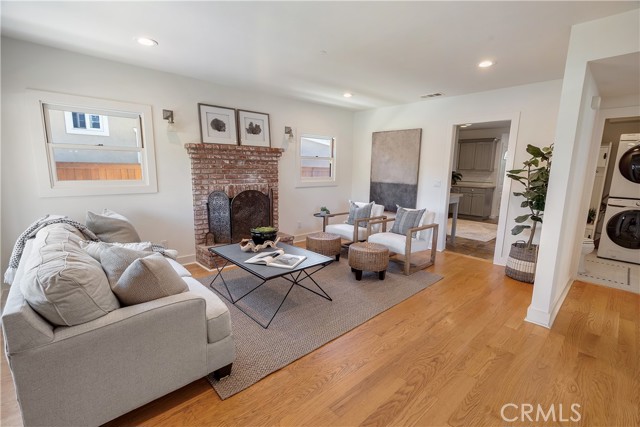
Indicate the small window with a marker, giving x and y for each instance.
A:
(316, 160)
(86, 124)
(90, 146)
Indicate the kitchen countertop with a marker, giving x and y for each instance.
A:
(470, 184)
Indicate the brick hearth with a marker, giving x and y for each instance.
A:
(232, 169)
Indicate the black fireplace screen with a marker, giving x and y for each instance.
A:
(230, 220)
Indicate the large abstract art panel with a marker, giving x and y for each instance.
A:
(395, 161)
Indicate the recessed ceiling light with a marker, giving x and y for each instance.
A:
(145, 41)
(485, 64)
(347, 94)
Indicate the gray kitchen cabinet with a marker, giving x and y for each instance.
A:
(475, 201)
(476, 154)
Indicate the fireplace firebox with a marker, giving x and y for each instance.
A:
(231, 219)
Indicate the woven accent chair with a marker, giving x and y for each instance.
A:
(357, 232)
(406, 246)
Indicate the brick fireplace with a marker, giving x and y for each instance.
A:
(230, 169)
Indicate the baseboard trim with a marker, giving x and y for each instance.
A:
(546, 319)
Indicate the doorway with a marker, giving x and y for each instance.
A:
(479, 163)
(603, 266)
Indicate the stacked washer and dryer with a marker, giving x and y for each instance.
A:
(620, 238)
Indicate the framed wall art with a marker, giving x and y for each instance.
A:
(253, 128)
(218, 124)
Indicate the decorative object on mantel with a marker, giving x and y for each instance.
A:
(248, 245)
(254, 128)
(217, 124)
(395, 162)
(521, 264)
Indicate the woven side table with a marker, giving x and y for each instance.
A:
(327, 244)
(368, 257)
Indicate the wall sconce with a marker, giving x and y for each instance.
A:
(168, 116)
(288, 133)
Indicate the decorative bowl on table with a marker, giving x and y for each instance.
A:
(259, 235)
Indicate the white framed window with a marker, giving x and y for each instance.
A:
(89, 146)
(86, 124)
(316, 165)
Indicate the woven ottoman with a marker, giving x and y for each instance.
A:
(367, 256)
(327, 244)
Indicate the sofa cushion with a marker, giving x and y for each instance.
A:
(116, 259)
(62, 282)
(218, 316)
(147, 279)
(112, 227)
(95, 249)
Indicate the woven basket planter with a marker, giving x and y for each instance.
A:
(521, 264)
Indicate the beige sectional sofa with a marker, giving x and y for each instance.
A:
(93, 372)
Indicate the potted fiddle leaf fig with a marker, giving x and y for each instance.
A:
(534, 176)
(455, 177)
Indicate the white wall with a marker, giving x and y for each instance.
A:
(575, 154)
(532, 109)
(168, 214)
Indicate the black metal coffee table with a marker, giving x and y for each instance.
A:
(232, 254)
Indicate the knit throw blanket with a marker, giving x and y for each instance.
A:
(31, 231)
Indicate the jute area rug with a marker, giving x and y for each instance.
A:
(474, 230)
(306, 321)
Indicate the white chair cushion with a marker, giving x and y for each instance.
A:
(396, 242)
(346, 231)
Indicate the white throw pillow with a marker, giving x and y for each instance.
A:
(147, 279)
(62, 282)
(116, 259)
(112, 227)
(96, 249)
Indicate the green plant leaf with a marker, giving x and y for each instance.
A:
(524, 204)
(534, 151)
(522, 218)
(519, 229)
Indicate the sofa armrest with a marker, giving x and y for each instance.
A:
(151, 308)
(130, 356)
(23, 328)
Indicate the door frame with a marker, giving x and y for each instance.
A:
(500, 255)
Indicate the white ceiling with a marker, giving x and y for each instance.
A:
(386, 53)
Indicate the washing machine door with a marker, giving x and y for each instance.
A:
(629, 164)
(623, 229)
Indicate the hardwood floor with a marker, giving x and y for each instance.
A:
(452, 355)
(473, 248)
